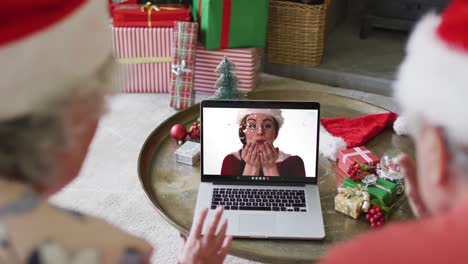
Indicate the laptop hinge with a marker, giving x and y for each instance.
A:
(260, 184)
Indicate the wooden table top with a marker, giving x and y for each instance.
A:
(172, 187)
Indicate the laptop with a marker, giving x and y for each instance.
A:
(259, 160)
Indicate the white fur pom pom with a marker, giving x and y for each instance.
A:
(330, 145)
(401, 126)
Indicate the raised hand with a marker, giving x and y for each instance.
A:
(250, 154)
(411, 186)
(268, 157)
(210, 248)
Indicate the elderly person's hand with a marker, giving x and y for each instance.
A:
(210, 248)
(268, 157)
(411, 186)
(251, 156)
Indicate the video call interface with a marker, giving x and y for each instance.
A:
(260, 144)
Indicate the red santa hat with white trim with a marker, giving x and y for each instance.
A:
(338, 133)
(432, 81)
(46, 47)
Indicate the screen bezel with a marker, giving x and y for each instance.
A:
(301, 105)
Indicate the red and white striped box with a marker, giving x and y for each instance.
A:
(247, 61)
(145, 57)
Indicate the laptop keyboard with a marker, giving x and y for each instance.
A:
(259, 199)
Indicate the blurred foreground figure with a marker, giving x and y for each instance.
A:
(56, 67)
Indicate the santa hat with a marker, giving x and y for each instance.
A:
(275, 113)
(341, 133)
(432, 81)
(47, 47)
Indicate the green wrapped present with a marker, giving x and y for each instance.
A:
(231, 23)
(382, 189)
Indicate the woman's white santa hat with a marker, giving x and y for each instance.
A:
(47, 47)
(275, 113)
(432, 81)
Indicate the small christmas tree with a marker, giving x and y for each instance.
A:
(227, 82)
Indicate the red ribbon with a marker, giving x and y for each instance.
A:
(199, 11)
(226, 24)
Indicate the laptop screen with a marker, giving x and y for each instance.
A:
(259, 141)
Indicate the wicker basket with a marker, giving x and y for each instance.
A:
(296, 32)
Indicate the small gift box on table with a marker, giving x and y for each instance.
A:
(231, 23)
(358, 155)
(183, 65)
(188, 153)
(377, 188)
(149, 15)
(352, 201)
(145, 56)
(248, 67)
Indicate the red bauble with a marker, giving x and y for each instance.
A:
(178, 132)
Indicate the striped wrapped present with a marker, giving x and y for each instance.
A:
(183, 65)
(145, 55)
(248, 67)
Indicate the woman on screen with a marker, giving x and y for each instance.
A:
(258, 130)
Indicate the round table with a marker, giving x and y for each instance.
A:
(172, 187)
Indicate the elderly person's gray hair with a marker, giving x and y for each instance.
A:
(458, 151)
(26, 142)
(431, 83)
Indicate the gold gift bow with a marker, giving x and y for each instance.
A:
(349, 192)
(150, 7)
(143, 60)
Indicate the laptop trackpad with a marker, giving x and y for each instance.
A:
(263, 224)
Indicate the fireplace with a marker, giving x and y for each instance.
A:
(395, 14)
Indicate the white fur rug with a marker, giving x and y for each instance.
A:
(108, 186)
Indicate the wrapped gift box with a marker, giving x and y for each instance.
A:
(113, 4)
(188, 153)
(185, 47)
(145, 56)
(231, 23)
(383, 190)
(248, 68)
(352, 201)
(347, 157)
(149, 15)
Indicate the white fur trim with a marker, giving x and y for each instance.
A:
(330, 145)
(281, 158)
(401, 126)
(54, 60)
(432, 81)
(276, 113)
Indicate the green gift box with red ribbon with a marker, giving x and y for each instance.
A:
(231, 23)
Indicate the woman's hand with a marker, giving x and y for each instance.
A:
(210, 248)
(250, 154)
(268, 157)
